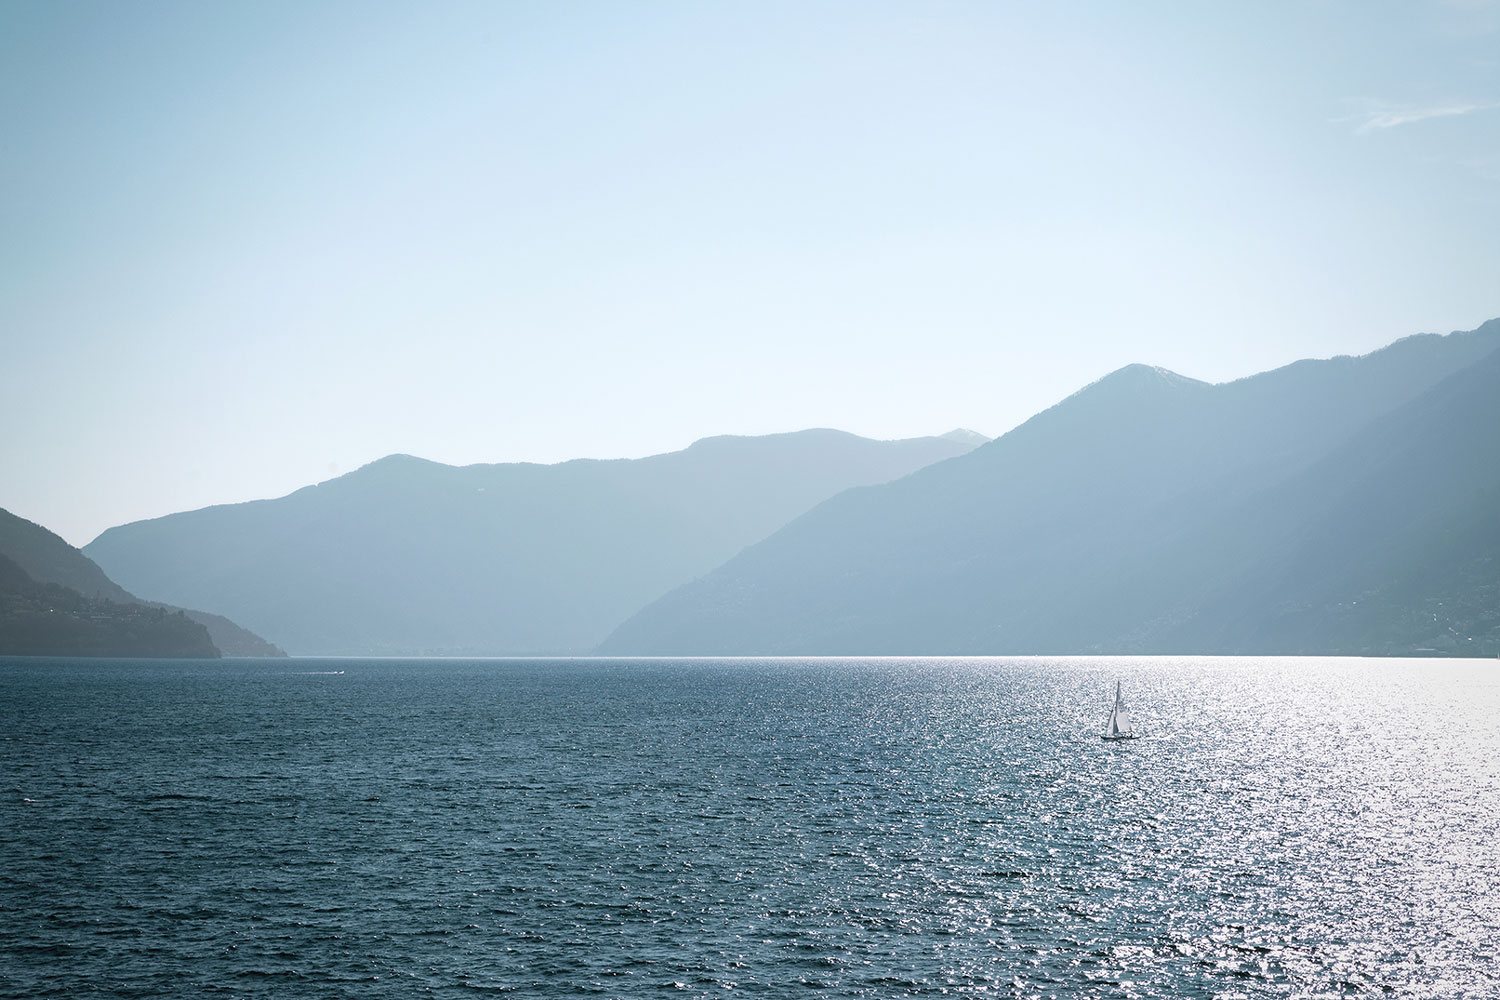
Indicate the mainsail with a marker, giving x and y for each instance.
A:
(1119, 719)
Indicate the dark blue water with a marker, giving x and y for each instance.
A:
(767, 828)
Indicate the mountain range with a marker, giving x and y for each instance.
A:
(1339, 506)
(411, 557)
(1348, 505)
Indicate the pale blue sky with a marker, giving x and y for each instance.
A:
(244, 247)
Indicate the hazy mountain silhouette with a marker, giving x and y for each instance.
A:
(406, 556)
(45, 559)
(1389, 544)
(1147, 512)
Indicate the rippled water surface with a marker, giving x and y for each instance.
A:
(311, 828)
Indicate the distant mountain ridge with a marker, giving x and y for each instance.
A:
(1137, 516)
(410, 557)
(56, 601)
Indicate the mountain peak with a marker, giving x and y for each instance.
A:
(1133, 382)
(399, 460)
(398, 466)
(962, 435)
(1146, 377)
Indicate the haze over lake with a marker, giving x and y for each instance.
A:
(775, 828)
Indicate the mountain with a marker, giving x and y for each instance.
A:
(1146, 513)
(1389, 544)
(410, 557)
(47, 619)
(44, 560)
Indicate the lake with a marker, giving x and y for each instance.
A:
(766, 828)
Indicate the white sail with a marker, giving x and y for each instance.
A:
(1119, 718)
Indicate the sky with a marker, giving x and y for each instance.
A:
(246, 247)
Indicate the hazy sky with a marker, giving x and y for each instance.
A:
(248, 246)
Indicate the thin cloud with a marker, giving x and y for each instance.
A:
(1383, 116)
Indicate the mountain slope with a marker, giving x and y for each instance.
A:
(45, 558)
(406, 556)
(1098, 525)
(1390, 544)
(47, 619)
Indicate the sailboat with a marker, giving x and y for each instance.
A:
(1119, 720)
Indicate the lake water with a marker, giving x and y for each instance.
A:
(768, 828)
